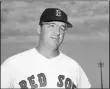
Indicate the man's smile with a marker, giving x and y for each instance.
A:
(57, 38)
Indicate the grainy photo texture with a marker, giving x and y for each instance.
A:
(54, 44)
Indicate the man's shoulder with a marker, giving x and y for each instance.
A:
(19, 57)
(22, 54)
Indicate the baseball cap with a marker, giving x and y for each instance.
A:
(54, 14)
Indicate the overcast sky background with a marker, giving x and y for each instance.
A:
(87, 42)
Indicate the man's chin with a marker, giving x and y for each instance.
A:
(55, 46)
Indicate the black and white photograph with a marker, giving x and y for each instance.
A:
(54, 44)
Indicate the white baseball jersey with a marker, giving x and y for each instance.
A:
(30, 69)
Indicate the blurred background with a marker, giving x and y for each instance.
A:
(87, 42)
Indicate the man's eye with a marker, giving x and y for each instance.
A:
(51, 25)
(62, 28)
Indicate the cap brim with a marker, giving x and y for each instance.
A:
(69, 25)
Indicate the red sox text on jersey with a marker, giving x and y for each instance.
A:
(43, 82)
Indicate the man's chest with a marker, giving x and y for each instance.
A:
(54, 77)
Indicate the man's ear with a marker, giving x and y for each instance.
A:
(39, 29)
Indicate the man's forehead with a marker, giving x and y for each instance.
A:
(57, 22)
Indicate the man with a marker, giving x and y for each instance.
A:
(45, 66)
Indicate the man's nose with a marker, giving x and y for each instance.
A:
(57, 31)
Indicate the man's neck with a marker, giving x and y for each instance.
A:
(47, 52)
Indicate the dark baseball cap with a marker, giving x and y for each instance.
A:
(54, 14)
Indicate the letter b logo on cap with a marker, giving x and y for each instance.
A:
(58, 13)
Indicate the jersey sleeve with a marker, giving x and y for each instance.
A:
(6, 75)
(83, 81)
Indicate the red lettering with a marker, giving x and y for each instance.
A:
(23, 84)
(60, 83)
(32, 82)
(42, 79)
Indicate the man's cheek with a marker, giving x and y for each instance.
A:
(61, 38)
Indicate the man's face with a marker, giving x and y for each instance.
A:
(52, 33)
